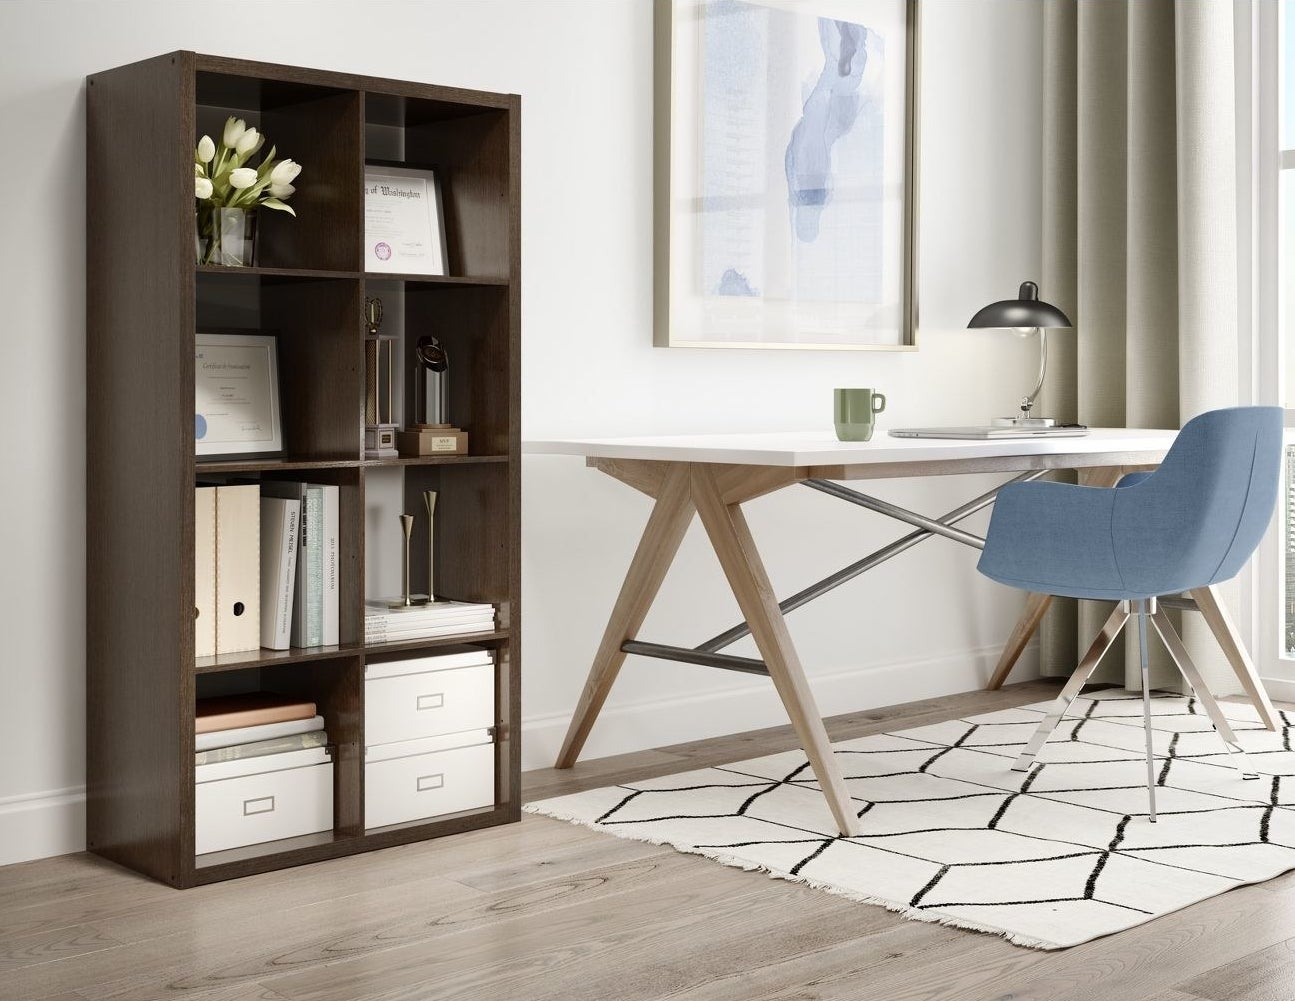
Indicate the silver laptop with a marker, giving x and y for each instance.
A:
(990, 432)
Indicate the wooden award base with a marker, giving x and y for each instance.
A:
(432, 439)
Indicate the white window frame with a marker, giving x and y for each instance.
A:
(1264, 590)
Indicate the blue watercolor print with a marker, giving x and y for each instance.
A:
(829, 113)
(792, 156)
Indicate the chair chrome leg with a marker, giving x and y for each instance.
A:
(1146, 702)
(1101, 643)
(1178, 651)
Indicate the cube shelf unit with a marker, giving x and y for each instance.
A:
(147, 298)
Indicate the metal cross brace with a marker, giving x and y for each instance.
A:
(707, 654)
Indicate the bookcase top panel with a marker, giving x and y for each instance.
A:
(395, 100)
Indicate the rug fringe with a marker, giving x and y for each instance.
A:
(746, 865)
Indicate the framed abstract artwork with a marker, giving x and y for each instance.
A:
(785, 199)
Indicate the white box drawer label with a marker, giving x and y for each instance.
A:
(410, 706)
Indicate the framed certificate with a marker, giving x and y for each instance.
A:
(236, 396)
(404, 231)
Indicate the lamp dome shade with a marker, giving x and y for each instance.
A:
(1028, 310)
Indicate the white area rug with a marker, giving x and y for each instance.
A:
(1049, 859)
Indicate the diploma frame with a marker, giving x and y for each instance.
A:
(436, 214)
(260, 351)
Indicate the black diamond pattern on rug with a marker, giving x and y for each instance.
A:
(1052, 857)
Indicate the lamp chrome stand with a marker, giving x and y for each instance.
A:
(1026, 417)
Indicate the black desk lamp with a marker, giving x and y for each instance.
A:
(1027, 313)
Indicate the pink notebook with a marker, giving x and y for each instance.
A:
(230, 712)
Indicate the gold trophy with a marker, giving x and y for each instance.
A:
(379, 369)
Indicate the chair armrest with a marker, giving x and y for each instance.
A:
(1054, 538)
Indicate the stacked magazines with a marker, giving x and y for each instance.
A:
(383, 624)
(259, 732)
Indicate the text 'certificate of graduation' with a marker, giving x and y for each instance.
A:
(236, 395)
(402, 222)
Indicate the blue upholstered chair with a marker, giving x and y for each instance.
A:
(1192, 522)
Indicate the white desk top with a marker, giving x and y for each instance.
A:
(821, 448)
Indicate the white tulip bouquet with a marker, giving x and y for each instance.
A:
(221, 179)
(229, 192)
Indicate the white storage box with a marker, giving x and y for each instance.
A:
(419, 779)
(432, 696)
(250, 809)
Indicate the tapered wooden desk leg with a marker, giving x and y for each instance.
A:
(1220, 623)
(656, 551)
(731, 538)
(1035, 607)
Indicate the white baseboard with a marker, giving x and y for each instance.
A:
(750, 705)
(1279, 689)
(38, 825)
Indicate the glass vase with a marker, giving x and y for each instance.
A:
(226, 237)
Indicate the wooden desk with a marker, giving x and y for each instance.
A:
(714, 475)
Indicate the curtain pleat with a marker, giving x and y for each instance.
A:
(1058, 634)
(1151, 333)
(1139, 235)
(1102, 174)
(1208, 375)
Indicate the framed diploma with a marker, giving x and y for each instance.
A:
(236, 396)
(403, 228)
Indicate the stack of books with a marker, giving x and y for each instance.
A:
(383, 624)
(260, 732)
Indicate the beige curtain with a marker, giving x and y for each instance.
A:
(1140, 237)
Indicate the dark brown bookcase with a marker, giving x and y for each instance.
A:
(146, 299)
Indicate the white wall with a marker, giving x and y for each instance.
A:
(925, 625)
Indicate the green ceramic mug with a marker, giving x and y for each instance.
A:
(856, 410)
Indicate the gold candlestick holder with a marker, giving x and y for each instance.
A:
(429, 499)
(406, 599)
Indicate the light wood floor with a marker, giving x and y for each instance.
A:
(545, 910)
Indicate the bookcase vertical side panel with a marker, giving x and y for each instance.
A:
(140, 466)
(511, 681)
